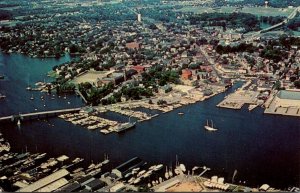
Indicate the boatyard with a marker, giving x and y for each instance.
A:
(30, 172)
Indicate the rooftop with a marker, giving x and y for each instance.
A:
(45, 181)
(288, 94)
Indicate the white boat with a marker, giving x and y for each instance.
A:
(176, 171)
(170, 173)
(167, 173)
(127, 175)
(210, 128)
(152, 167)
(182, 167)
(19, 122)
(2, 96)
(135, 170)
(141, 173)
(136, 180)
(153, 183)
(251, 107)
(91, 166)
(160, 179)
(147, 174)
(77, 160)
(180, 113)
(131, 180)
(158, 167)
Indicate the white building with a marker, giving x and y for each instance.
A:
(288, 98)
(139, 17)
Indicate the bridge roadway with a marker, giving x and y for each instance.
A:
(38, 114)
(291, 16)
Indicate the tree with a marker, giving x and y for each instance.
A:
(297, 83)
(161, 102)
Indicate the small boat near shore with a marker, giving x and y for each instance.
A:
(180, 113)
(251, 107)
(2, 96)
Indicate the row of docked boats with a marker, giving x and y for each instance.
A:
(139, 175)
(91, 122)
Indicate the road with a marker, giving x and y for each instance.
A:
(211, 61)
(252, 35)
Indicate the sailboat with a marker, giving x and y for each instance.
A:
(31, 98)
(170, 172)
(167, 173)
(19, 122)
(106, 160)
(210, 128)
(28, 86)
(176, 170)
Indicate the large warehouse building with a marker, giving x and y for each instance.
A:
(288, 98)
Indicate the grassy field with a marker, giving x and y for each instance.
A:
(259, 11)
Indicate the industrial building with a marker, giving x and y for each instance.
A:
(126, 167)
(288, 98)
(49, 183)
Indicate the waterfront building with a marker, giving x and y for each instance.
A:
(288, 98)
(139, 17)
(44, 182)
(126, 167)
(186, 74)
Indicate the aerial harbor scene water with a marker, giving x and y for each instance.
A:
(149, 95)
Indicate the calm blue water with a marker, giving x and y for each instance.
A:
(263, 148)
(21, 71)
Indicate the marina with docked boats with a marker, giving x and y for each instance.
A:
(183, 120)
(28, 172)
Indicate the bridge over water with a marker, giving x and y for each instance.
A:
(28, 116)
(284, 22)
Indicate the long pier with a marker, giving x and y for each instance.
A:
(38, 114)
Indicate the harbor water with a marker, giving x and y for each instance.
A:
(262, 148)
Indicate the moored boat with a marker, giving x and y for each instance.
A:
(167, 173)
(210, 128)
(158, 167)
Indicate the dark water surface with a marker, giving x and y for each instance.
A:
(263, 148)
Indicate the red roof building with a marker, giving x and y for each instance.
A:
(186, 74)
(139, 68)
